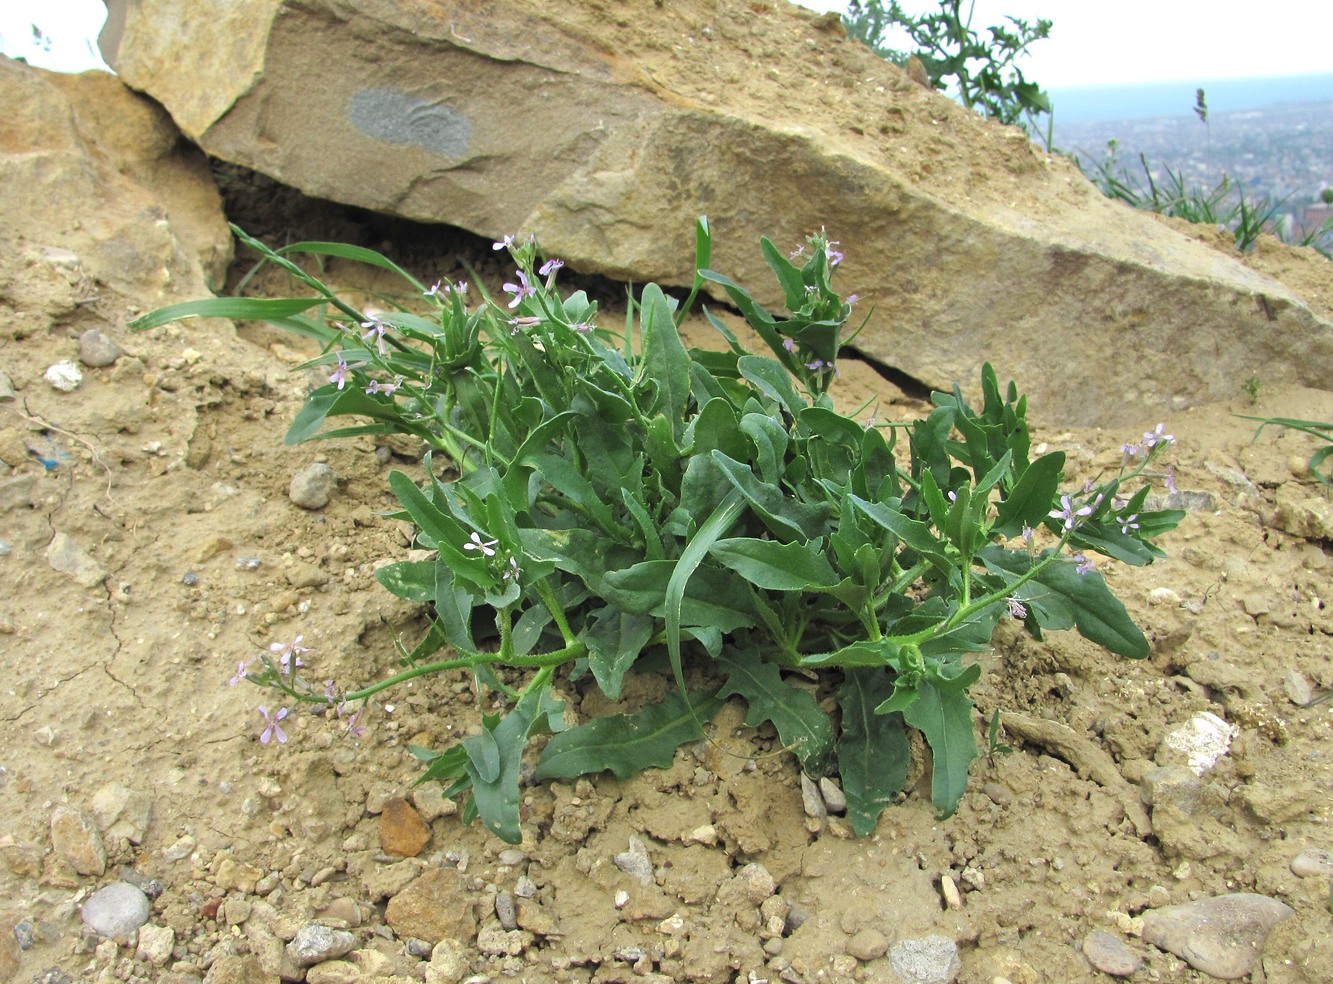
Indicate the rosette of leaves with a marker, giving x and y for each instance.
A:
(611, 495)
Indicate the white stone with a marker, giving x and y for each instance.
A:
(1203, 740)
(64, 376)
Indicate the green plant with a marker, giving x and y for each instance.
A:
(985, 73)
(1251, 387)
(1224, 206)
(611, 499)
(1322, 431)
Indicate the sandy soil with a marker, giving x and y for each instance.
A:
(148, 545)
(167, 474)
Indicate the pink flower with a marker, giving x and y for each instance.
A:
(272, 728)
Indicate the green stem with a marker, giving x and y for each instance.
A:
(550, 660)
(552, 604)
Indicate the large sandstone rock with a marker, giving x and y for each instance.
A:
(606, 126)
(96, 177)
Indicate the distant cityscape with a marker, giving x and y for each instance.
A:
(1280, 151)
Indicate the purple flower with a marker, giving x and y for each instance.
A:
(520, 290)
(1171, 479)
(582, 327)
(853, 298)
(354, 724)
(1127, 523)
(798, 251)
(377, 328)
(512, 570)
(1017, 609)
(1028, 533)
(339, 375)
(505, 243)
(288, 652)
(1069, 514)
(241, 669)
(789, 344)
(834, 256)
(819, 365)
(434, 289)
(1155, 437)
(550, 267)
(515, 324)
(1084, 564)
(1129, 450)
(272, 729)
(386, 388)
(330, 691)
(487, 547)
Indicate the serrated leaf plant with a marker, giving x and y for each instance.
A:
(597, 496)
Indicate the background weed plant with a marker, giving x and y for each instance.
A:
(983, 71)
(988, 80)
(600, 498)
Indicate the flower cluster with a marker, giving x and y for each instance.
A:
(279, 672)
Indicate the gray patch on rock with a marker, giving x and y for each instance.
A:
(401, 118)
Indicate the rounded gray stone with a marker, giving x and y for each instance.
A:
(1313, 862)
(97, 350)
(1110, 954)
(1223, 936)
(312, 487)
(116, 911)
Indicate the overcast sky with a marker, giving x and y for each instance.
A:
(1117, 42)
(1093, 42)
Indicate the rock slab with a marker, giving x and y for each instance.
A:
(964, 241)
(1222, 936)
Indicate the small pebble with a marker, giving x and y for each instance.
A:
(64, 376)
(312, 487)
(190, 579)
(635, 861)
(1163, 596)
(952, 897)
(97, 350)
(832, 794)
(999, 795)
(505, 910)
(1312, 862)
(867, 945)
(155, 944)
(315, 943)
(1298, 688)
(1109, 954)
(929, 960)
(116, 911)
(812, 802)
